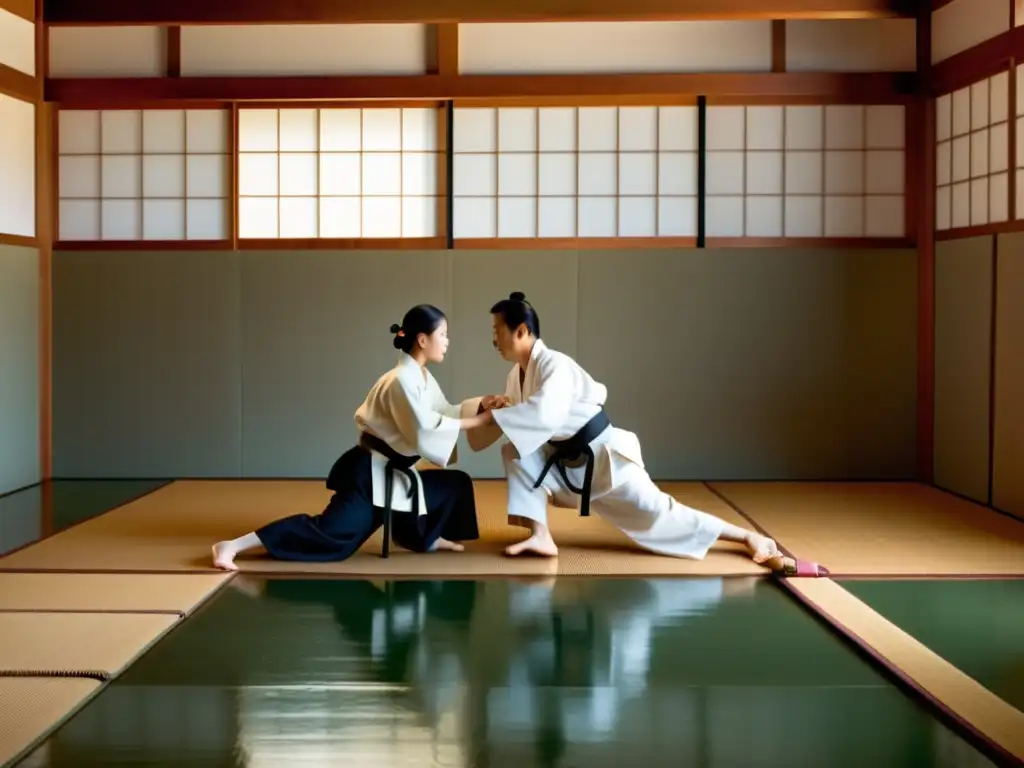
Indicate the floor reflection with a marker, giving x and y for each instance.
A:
(26, 516)
(567, 673)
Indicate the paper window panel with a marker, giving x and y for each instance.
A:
(677, 216)
(382, 217)
(723, 216)
(565, 172)
(163, 219)
(803, 170)
(804, 216)
(844, 127)
(556, 217)
(972, 152)
(726, 128)
(999, 198)
(598, 129)
(597, 217)
(764, 216)
(143, 172)
(344, 173)
(638, 129)
(121, 219)
(884, 216)
(297, 217)
(979, 202)
(517, 217)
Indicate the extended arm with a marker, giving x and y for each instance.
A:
(531, 423)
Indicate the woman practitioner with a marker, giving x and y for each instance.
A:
(405, 417)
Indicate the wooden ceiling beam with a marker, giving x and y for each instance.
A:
(188, 12)
(860, 88)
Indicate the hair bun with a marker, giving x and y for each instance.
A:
(517, 296)
(395, 327)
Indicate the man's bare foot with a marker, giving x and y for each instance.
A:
(444, 544)
(224, 556)
(539, 544)
(764, 551)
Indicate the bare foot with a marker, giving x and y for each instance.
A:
(764, 551)
(224, 556)
(444, 544)
(538, 544)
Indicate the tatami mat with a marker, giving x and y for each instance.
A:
(172, 530)
(968, 701)
(106, 591)
(82, 643)
(883, 529)
(31, 707)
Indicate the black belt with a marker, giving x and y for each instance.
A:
(570, 450)
(396, 462)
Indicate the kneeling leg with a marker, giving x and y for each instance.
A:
(450, 518)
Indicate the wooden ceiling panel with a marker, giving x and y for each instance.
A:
(453, 11)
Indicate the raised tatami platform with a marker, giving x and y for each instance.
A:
(118, 583)
(879, 529)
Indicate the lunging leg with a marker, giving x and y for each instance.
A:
(527, 506)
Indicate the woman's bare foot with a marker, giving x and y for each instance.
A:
(764, 551)
(540, 543)
(224, 556)
(444, 544)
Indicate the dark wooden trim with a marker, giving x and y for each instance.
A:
(863, 88)
(702, 170)
(173, 52)
(496, 243)
(449, 175)
(936, 4)
(571, 243)
(23, 240)
(983, 60)
(18, 85)
(923, 119)
(779, 45)
(46, 222)
(142, 245)
(339, 244)
(859, 243)
(993, 332)
(620, 100)
(26, 9)
(443, 57)
(233, 179)
(191, 12)
(1012, 139)
(979, 230)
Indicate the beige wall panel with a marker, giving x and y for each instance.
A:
(1008, 458)
(962, 24)
(107, 52)
(17, 168)
(757, 363)
(590, 47)
(963, 318)
(17, 42)
(851, 45)
(19, 369)
(301, 49)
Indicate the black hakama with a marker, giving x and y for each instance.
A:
(350, 517)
